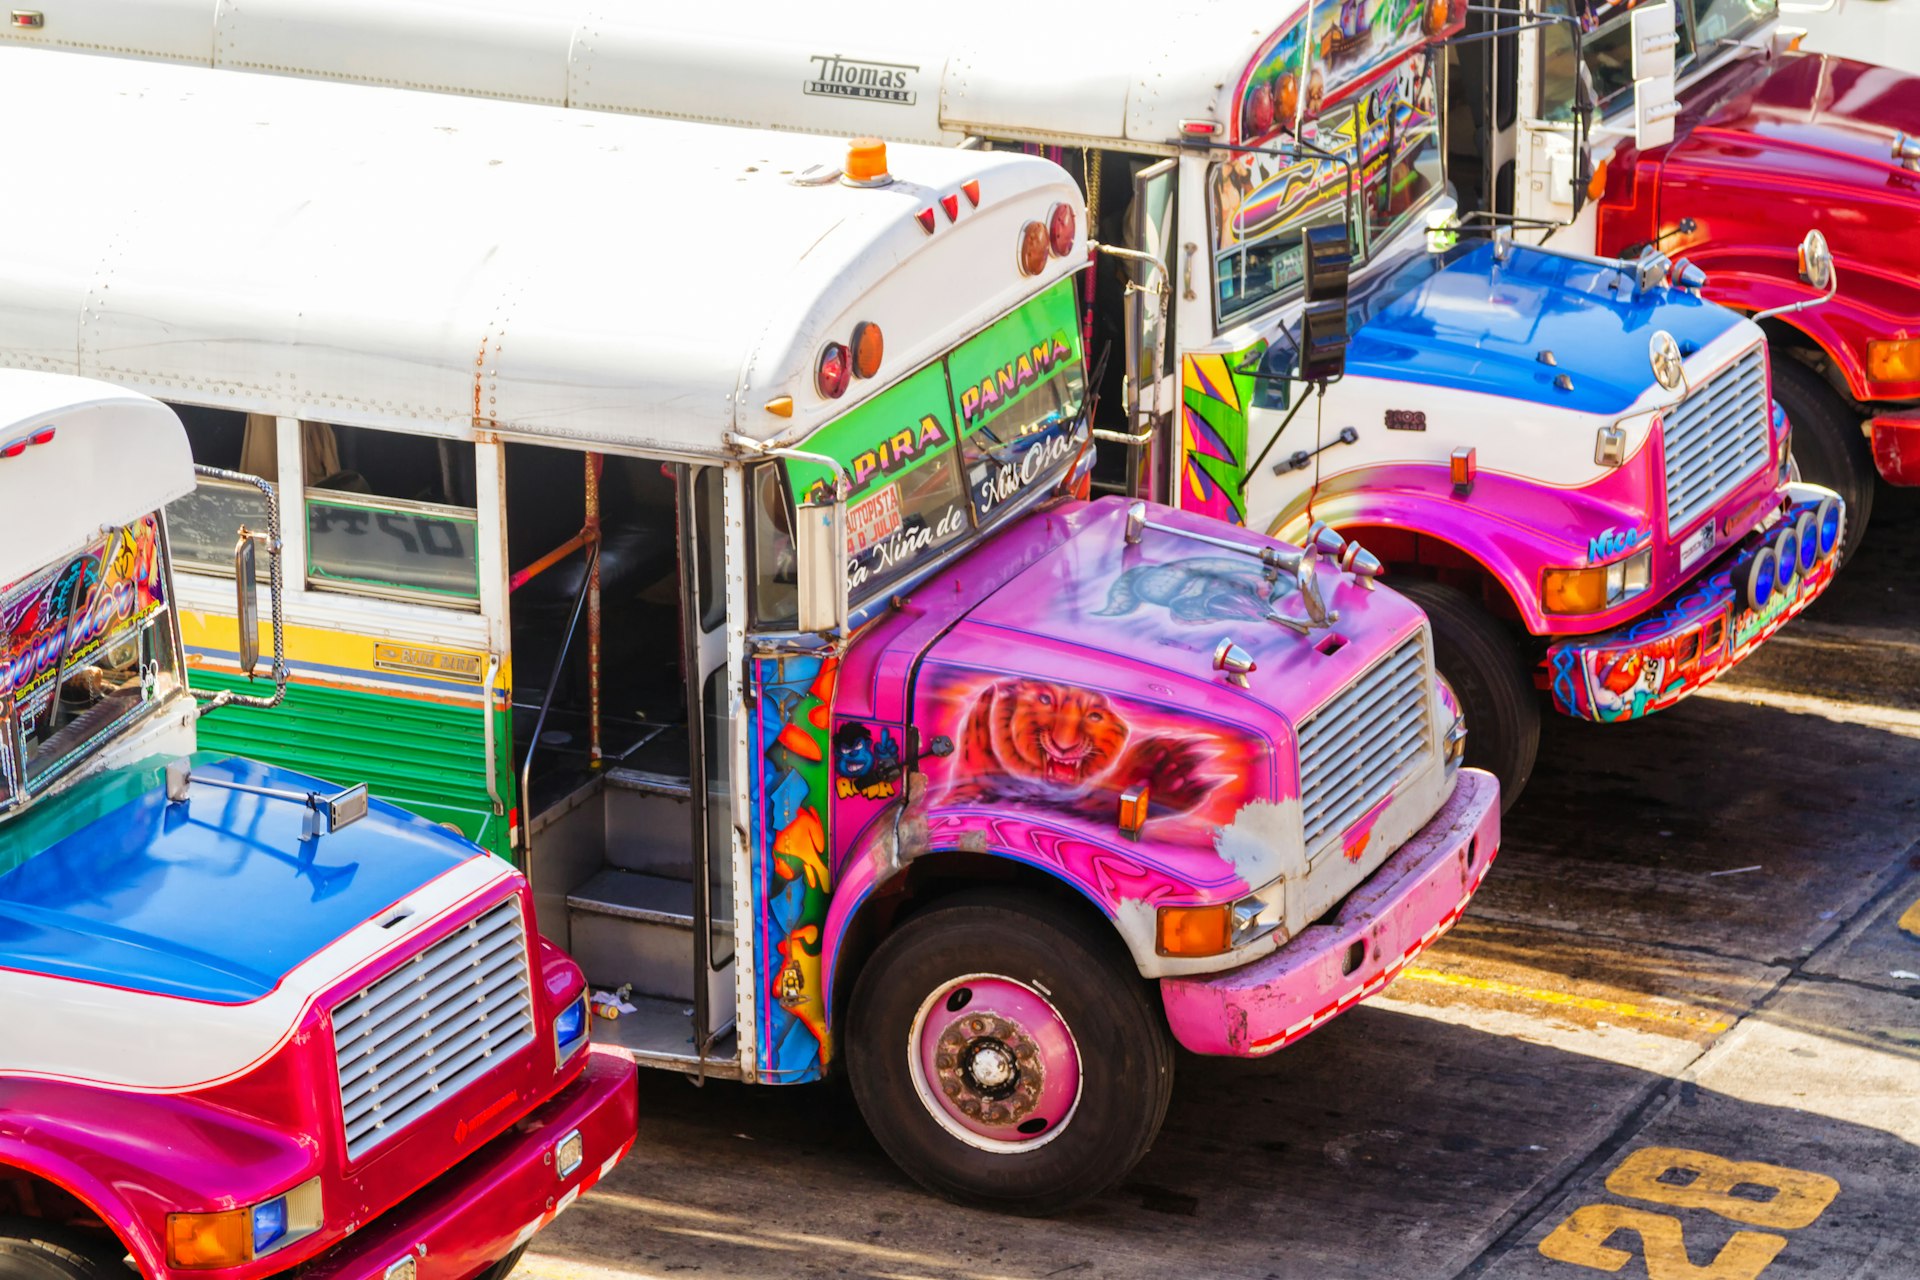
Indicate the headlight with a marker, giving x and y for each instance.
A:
(570, 1028)
(1893, 360)
(1600, 587)
(196, 1241)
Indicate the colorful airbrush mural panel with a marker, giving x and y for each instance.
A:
(1215, 393)
(1064, 753)
(792, 880)
(65, 616)
(1352, 39)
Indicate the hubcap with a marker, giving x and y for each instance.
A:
(995, 1063)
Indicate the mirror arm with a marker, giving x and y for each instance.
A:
(275, 592)
(1833, 288)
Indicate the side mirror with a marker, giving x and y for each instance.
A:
(820, 556)
(1328, 261)
(247, 600)
(1816, 262)
(1654, 106)
(1816, 271)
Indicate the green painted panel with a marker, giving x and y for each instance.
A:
(426, 757)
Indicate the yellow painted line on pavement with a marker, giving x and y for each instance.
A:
(1617, 1008)
(1910, 919)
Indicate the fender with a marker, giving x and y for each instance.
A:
(1067, 858)
(1870, 304)
(162, 1152)
(1509, 552)
(99, 1198)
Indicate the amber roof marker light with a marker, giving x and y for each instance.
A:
(866, 164)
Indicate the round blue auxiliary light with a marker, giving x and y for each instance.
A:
(1806, 532)
(1829, 517)
(1786, 559)
(1756, 579)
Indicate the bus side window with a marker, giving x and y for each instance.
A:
(391, 515)
(203, 526)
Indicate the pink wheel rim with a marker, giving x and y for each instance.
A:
(995, 1063)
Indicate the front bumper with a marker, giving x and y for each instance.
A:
(1413, 898)
(1896, 446)
(494, 1201)
(1654, 662)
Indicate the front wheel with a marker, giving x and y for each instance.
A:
(1006, 1054)
(33, 1250)
(1481, 663)
(1828, 446)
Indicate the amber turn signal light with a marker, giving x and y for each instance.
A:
(1195, 931)
(199, 1240)
(1574, 590)
(1893, 360)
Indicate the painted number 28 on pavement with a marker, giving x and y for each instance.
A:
(1692, 1180)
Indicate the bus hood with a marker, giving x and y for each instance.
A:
(1517, 329)
(1831, 113)
(1091, 673)
(216, 899)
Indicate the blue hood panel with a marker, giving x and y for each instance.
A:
(215, 900)
(1479, 326)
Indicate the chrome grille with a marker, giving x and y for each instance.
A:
(440, 1021)
(1716, 438)
(1372, 734)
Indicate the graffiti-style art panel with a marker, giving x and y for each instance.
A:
(792, 880)
(1354, 38)
(1020, 387)
(908, 499)
(1276, 88)
(65, 616)
(1065, 755)
(1215, 392)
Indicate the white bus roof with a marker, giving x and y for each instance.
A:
(996, 67)
(77, 455)
(434, 263)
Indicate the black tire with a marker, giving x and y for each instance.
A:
(1480, 660)
(503, 1268)
(32, 1250)
(1126, 1051)
(1828, 444)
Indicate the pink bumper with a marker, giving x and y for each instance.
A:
(1413, 898)
(1896, 446)
(494, 1201)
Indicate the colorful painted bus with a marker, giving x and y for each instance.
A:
(748, 500)
(1606, 546)
(250, 1023)
(1761, 141)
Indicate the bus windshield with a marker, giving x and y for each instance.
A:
(938, 457)
(1260, 203)
(85, 646)
(1607, 45)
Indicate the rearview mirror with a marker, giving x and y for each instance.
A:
(247, 610)
(820, 555)
(1327, 259)
(1654, 107)
(1816, 261)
